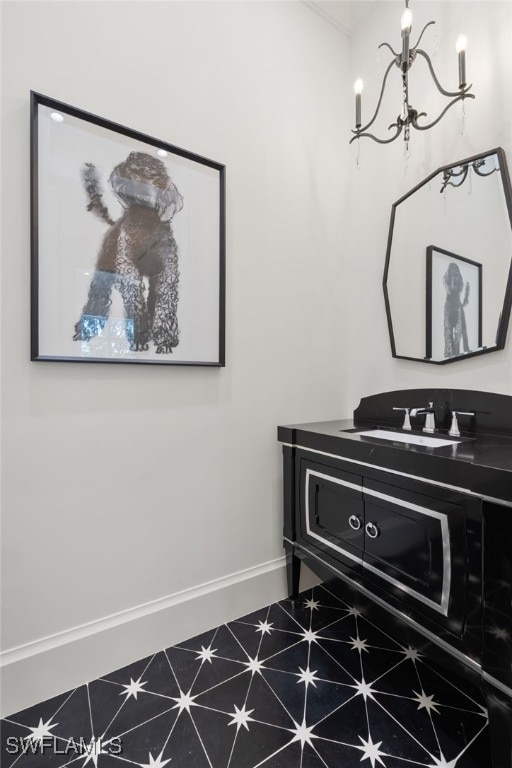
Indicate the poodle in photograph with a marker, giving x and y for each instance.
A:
(455, 328)
(138, 245)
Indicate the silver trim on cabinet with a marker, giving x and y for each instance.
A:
(484, 497)
(314, 535)
(441, 607)
(497, 683)
(445, 535)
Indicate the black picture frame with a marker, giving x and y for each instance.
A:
(438, 310)
(139, 262)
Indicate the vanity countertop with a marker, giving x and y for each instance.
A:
(481, 463)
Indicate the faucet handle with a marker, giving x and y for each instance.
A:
(430, 417)
(454, 429)
(407, 421)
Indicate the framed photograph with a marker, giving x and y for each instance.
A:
(454, 304)
(128, 244)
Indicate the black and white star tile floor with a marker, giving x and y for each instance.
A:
(317, 685)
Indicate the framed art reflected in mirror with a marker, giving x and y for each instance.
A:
(454, 305)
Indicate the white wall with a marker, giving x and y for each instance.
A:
(122, 484)
(133, 494)
(384, 176)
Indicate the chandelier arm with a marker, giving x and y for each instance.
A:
(450, 175)
(422, 33)
(365, 127)
(477, 170)
(440, 88)
(460, 182)
(381, 141)
(448, 184)
(460, 97)
(387, 45)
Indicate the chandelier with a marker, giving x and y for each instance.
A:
(409, 116)
(456, 176)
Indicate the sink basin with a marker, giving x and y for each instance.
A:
(400, 437)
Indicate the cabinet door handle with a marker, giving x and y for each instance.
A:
(372, 530)
(355, 522)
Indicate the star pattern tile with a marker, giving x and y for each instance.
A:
(253, 665)
(358, 644)
(310, 636)
(264, 627)
(441, 763)
(93, 750)
(306, 676)
(241, 717)
(371, 751)
(40, 731)
(426, 702)
(364, 689)
(303, 733)
(184, 702)
(412, 654)
(133, 689)
(206, 654)
(326, 687)
(155, 763)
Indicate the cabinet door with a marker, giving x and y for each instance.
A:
(408, 543)
(332, 510)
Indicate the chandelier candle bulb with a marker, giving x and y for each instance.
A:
(358, 89)
(406, 21)
(406, 24)
(460, 47)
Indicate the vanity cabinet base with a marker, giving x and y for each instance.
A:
(499, 705)
(500, 726)
(437, 606)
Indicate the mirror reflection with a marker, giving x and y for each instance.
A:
(448, 269)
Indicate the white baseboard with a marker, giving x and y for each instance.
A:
(52, 665)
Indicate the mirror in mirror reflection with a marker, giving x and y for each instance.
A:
(448, 267)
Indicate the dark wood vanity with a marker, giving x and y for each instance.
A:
(421, 534)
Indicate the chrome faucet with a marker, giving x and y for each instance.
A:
(454, 429)
(407, 422)
(430, 417)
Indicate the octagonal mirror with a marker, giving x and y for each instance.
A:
(448, 274)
